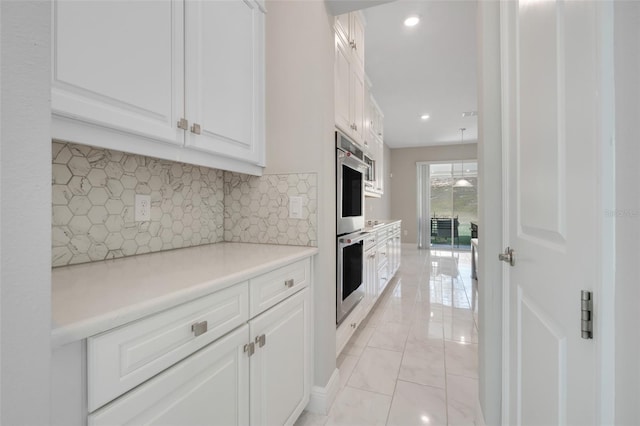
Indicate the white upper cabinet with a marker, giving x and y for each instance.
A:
(107, 71)
(357, 37)
(224, 77)
(349, 76)
(357, 106)
(156, 77)
(350, 27)
(342, 83)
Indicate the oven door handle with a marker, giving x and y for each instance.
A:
(349, 241)
(352, 161)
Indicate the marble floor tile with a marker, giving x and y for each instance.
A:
(461, 330)
(424, 366)
(390, 335)
(415, 404)
(461, 359)
(414, 358)
(358, 407)
(399, 312)
(376, 371)
(462, 394)
(310, 419)
(427, 330)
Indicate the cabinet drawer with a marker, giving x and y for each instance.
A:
(273, 287)
(209, 387)
(121, 359)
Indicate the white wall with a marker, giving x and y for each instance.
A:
(404, 181)
(25, 194)
(627, 106)
(380, 208)
(300, 138)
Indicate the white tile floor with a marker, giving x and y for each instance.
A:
(414, 360)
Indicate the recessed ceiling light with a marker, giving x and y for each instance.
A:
(424, 117)
(412, 21)
(470, 114)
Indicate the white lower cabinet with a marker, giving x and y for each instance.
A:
(209, 387)
(239, 356)
(280, 368)
(258, 374)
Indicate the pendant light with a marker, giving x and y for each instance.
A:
(462, 183)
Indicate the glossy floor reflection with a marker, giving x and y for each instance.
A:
(414, 359)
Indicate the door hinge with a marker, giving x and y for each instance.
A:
(250, 348)
(587, 314)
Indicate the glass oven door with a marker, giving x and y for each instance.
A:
(350, 193)
(350, 288)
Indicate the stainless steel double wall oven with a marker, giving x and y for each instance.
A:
(351, 171)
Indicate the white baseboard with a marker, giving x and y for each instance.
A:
(479, 414)
(322, 397)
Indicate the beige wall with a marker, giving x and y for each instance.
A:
(300, 139)
(380, 208)
(404, 183)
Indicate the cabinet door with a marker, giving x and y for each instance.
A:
(371, 282)
(280, 368)
(380, 166)
(357, 38)
(357, 105)
(224, 54)
(342, 71)
(342, 23)
(209, 387)
(120, 65)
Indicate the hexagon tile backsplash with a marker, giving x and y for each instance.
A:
(256, 209)
(93, 205)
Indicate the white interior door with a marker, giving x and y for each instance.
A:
(553, 92)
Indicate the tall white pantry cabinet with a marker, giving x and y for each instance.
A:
(180, 80)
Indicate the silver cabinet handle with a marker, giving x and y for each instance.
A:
(183, 124)
(199, 328)
(195, 128)
(288, 283)
(261, 340)
(354, 325)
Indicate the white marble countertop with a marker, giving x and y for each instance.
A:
(94, 297)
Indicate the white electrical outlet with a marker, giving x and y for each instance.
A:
(295, 207)
(143, 208)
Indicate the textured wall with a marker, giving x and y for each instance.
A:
(93, 204)
(257, 209)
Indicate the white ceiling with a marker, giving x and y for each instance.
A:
(429, 68)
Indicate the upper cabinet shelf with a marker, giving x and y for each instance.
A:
(180, 80)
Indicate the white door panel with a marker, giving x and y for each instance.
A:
(552, 136)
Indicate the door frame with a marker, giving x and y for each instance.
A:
(604, 303)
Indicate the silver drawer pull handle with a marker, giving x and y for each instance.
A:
(199, 328)
(288, 283)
